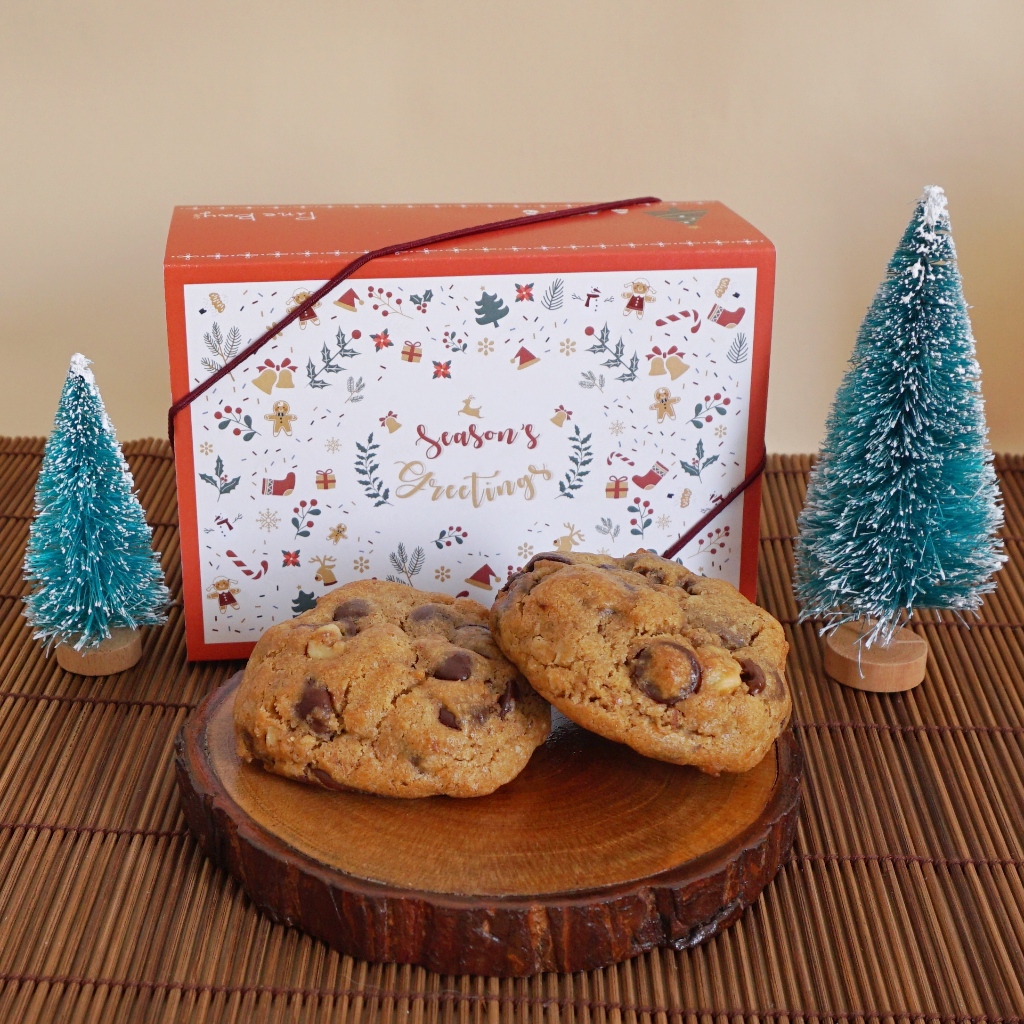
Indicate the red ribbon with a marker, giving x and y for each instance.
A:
(717, 508)
(388, 250)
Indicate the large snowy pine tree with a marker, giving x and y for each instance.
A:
(903, 507)
(89, 551)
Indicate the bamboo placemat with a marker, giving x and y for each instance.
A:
(902, 902)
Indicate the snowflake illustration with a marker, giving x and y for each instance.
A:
(337, 533)
(567, 347)
(720, 431)
(616, 428)
(268, 520)
(525, 550)
(485, 347)
(206, 448)
(442, 574)
(361, 564)
(333, 445)
(663, 522)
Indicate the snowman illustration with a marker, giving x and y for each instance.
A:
(637, 294)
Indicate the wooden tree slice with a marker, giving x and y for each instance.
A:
(118, 652)
(591, 856)
(899, 665)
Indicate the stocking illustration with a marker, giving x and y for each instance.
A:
(725, 317)
(279, 487)
(652, 477)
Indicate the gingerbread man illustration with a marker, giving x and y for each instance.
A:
(637, 293)
(664, 404)
(282, 418)
(308, 316)
(223, 593)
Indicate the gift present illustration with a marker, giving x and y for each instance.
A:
(412, 352)
(325, 480)
(616, 487)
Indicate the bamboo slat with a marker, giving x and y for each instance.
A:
(902, 901)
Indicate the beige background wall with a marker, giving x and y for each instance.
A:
(819, 122)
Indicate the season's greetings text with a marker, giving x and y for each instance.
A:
(473, 437)
(477, 487)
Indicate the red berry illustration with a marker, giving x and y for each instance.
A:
(218, 415)
(236, 431)
(707, 419)
(727, 401)
(356, 335)
(588, 331)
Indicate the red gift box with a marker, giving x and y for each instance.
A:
(686, 285)
(616, 487)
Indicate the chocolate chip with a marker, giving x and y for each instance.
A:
(477, 639)
(546, 556)
(665, 671)
(326, 781)
(445, 717)
(752, 674)
(457, 666)
(426, 612)
(357, 608)
(507, 700)
(315, 707)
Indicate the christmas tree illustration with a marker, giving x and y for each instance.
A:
(490, 309)
(903, 507)
(89, 551)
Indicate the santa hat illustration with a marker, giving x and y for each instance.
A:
(348, 300)
(525, 357)
(482, 577)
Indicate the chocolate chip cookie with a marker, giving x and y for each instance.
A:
(389, 690)
(642, 651)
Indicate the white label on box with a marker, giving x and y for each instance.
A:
(440, 431)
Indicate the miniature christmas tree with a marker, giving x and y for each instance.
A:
(490, 309)
(89, 551)
(903, 507)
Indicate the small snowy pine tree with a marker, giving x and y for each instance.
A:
(903, 507)
(89, 550)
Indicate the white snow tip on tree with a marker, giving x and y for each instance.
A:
(933, 200)
(80, 368)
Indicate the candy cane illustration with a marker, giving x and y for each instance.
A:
(683, 314)
(248, 572)
(619, 455)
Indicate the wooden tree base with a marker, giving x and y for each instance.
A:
(119, 652)
(591, 856)
(893, 668)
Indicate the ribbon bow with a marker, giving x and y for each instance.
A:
(657, 352)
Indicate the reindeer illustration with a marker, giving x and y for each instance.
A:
(468, 409)
(325, 574)
(570, 540)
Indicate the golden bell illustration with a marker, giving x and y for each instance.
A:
(676, 367)
(391, 423)
(559, 418)
(657, 366)
(284, 378)
(265, 381)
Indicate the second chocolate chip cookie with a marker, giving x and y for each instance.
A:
(642, 651)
